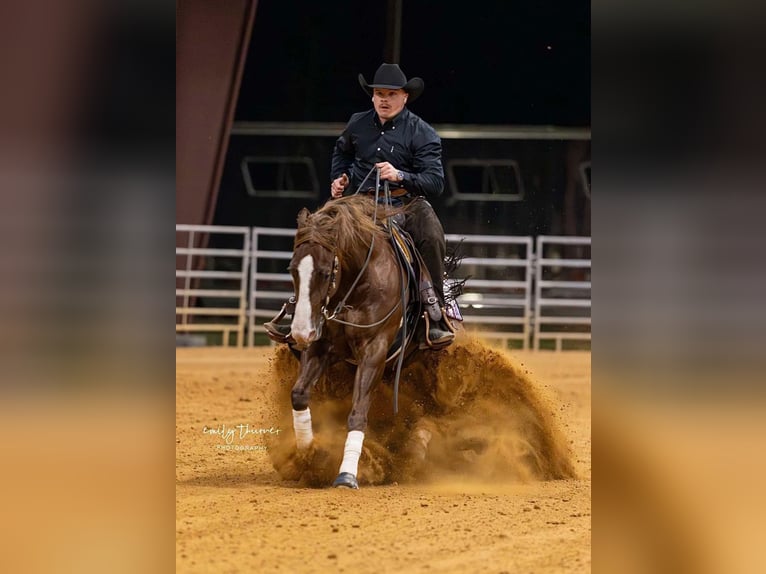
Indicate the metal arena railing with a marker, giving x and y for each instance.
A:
(497, 296)
(270, 283)
(510, 292)
(211, 283)
(562, 290)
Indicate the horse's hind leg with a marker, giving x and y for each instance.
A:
(313, 363)
(417, 445)
(368, 373)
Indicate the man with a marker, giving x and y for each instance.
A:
(407, 151)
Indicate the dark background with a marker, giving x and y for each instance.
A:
(501, 62)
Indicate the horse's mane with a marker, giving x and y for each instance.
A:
(345, 226)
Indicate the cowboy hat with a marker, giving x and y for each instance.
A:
(391, 76)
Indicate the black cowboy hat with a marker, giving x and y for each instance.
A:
(391, 76)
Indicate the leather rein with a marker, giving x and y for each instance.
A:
(342, 304)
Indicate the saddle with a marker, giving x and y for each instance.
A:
(418, 281)
(411, 266)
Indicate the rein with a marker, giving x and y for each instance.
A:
(342, 304)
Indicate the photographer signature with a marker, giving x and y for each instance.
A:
(231, 433)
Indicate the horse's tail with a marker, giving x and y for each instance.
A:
(452, 261)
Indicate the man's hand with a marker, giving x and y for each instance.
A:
(338, 185)
(387, 171)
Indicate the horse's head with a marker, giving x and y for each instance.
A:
(343, 228)
(315, 271)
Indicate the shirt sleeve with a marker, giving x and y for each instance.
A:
(427, 175)
(342, 154)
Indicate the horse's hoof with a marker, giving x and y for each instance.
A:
(346, 480)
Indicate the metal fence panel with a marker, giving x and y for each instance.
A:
(562, 291)
(497, 298)
(535, 293)
(208, 299)
(270, 283)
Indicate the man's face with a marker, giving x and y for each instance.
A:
(388, 102)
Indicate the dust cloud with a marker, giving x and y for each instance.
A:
(481, 416)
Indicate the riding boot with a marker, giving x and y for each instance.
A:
(440, 333)
(280, 332)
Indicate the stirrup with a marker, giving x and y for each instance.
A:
(443, 341)
(281, 333)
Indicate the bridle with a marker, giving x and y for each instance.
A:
(331, 290)
(333, 287)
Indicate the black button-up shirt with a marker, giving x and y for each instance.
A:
(407, 142)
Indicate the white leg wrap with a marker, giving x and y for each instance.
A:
(422, 438)
(352, 452)
(302, 426)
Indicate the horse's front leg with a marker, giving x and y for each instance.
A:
(368, 373)
(314, 361)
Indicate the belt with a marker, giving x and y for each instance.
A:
(400, 192)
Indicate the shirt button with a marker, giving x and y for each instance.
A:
(378, 149)
(382, 133)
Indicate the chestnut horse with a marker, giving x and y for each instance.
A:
(349, 304)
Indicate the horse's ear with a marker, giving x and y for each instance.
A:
(303, 217)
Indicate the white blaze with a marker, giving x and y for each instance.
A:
(302, 318)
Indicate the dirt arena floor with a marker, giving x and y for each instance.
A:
(505, 487)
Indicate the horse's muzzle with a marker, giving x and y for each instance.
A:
(303, 340)
(298, 346)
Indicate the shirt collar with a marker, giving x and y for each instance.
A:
(398, 120)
